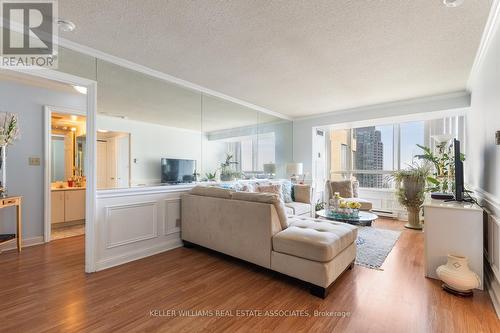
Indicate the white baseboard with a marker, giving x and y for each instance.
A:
(11, 245)
(136, 255)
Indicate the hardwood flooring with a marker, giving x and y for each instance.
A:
(44, 289)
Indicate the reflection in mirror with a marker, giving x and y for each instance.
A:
(230, 134)
(76, 63)
(163, 120)
(67, 150)
(274, 145)
(113, 159)
(58, 158)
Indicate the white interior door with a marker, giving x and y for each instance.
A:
(112, 163)
(123, 161)
(102, 164)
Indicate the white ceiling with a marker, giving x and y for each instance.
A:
(294, 57)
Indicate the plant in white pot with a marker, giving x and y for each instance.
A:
(9, 131)
(410, 191)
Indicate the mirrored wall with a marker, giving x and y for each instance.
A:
(166, 129)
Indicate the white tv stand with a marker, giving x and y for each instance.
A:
(452, 228)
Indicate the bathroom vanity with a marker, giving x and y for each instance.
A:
(68, 204)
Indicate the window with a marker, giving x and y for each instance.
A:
(371, 153)
(252, 152)
(411, 134)
(266, 150)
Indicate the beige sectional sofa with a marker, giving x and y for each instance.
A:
(254, 227)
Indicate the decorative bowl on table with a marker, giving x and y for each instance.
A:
(345, 210)
(343, 213)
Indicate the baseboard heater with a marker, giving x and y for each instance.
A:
(385, 213)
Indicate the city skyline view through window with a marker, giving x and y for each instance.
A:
(381, 149)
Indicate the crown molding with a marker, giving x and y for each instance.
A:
(389, 105)
(490, 28)
(162, 76)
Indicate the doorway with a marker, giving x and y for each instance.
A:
(66, 166)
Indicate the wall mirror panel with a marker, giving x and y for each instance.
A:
(175, 134)
(274, 145)
(163, 121)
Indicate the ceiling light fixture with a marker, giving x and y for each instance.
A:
(65, 25)
(453, 3)
(81, 90)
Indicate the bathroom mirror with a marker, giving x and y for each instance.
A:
(58, 157)
(80, 155)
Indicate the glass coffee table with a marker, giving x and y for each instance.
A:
(363, 219)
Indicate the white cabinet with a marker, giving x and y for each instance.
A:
(67, 205)
(74, 205)
(453, 228)
(57, 206)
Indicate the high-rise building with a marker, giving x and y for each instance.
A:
(369, 156)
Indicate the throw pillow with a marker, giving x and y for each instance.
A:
(247, 188)
(302, 193)
(344, 187)
(275, 189)
(286, 188)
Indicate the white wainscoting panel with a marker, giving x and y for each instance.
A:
(123, 227)
(135, 223)
(172, 220)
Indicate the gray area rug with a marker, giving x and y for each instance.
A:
(374, 245)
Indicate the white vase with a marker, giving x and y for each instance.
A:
(457, 275)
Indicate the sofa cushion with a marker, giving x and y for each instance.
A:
(299, 208)
(302, 193)
(268, 198)
(289, 210)
(313, 239)
(343, 187)
(365, 204)
(211, 191)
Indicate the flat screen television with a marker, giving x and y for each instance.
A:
(459, 172)
(176, 171)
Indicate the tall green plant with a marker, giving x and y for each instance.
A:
(443, 162)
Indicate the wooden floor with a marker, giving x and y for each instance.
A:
(44, 289)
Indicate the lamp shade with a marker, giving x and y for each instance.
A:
(294, 168)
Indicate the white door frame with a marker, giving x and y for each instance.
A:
(90, 161)
(48, 110)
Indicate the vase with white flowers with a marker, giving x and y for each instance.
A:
(9, 131)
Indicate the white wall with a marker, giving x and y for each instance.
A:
(22, 179)
(482, 166)
(150, 142)
(483, 120)
(422, 108)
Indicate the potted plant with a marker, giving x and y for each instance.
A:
(410, 190)
(227, 173)
(443, 162)
(211, 176)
